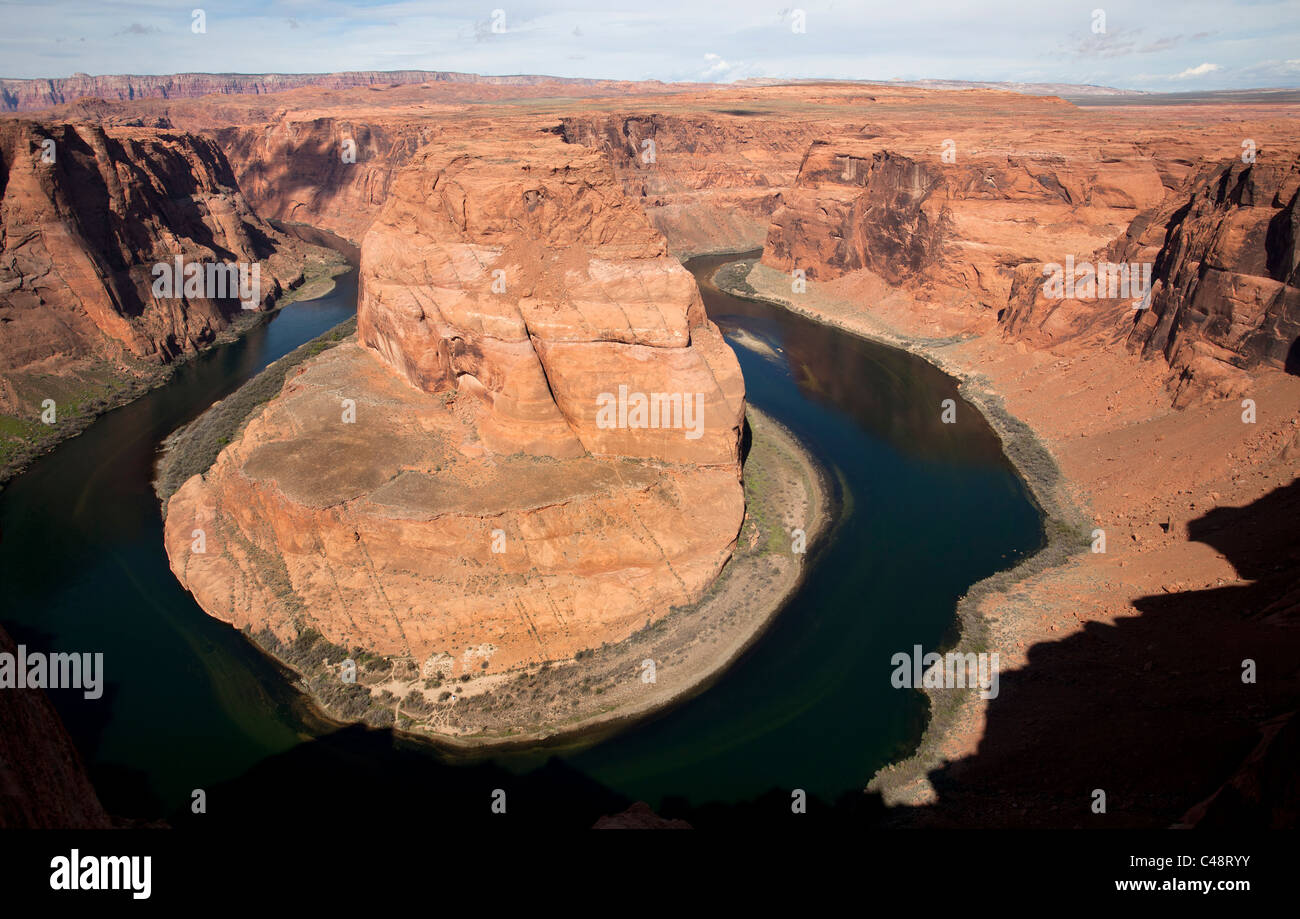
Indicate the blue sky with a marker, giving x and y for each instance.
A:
(1167, 45)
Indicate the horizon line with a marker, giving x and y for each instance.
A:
(885, 81)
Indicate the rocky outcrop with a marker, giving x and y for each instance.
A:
(1199, 270)
(1225, 295)
(851, 209)
(473, 514)
(332, 172)
(542, 288)
(1207, 282)
(87, 215)
(708, 183)
(948, 227)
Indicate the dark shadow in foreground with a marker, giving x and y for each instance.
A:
(1153, 710)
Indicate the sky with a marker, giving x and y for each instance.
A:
(1160, 45)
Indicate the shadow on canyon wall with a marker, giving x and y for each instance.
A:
(43, 782)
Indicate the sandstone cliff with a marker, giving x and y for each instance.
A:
(851, 210)
(1211, 254)
(949, 232)
(1226, 286)
(1221, 299)
(709, 183)
(542, 287)
(475, 517)
(85, 216)
(333, 172)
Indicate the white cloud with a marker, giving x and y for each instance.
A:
(1199, 70)
(724, 40)
(718, 68)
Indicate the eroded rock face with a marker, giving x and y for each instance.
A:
(333, 172)
(948, 224)
(1226, 287)
(473, 516)
(850, 209)
(708, 183)
(1218, 296)
(397, 534)
(528, 279)
(1197, 267)
(86, 213)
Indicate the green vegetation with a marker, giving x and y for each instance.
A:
(17, 436)
(85, 390)
(762, 513)
(732, 277)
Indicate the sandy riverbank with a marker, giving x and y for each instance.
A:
(1094, 437)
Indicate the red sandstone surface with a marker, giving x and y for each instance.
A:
(477, 471)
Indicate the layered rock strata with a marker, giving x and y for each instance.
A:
(707, 182)
(949, 231)
(333, 171)
(1212, 290)
(474, 514)
(1225, 297)
(87, 215)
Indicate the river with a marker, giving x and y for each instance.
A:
(924, 510)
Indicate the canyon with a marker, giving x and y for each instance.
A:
(923, 218)
(87, 214)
